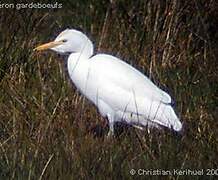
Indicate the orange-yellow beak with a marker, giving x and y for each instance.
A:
(47, 45)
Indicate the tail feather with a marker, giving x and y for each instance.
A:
(165, 116)
(170, 119)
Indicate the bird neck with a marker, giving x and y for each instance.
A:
(78, 66)
(87, 49)
(76, 59)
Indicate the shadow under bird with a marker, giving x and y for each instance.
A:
(119, 91)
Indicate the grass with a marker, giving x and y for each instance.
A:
(48, 130)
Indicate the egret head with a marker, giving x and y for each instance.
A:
(69, 41)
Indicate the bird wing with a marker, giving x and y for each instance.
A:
(129, 93)
(134, 108)
(113, 70)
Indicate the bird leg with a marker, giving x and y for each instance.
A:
(111, 126)
(111, 129)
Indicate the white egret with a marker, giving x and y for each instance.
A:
(120, 92)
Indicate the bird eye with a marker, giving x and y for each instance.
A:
(64, 40)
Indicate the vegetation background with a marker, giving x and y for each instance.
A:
(49, 131)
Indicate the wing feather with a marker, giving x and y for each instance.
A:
(127, 77)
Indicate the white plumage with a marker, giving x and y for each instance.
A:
(120, 92)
